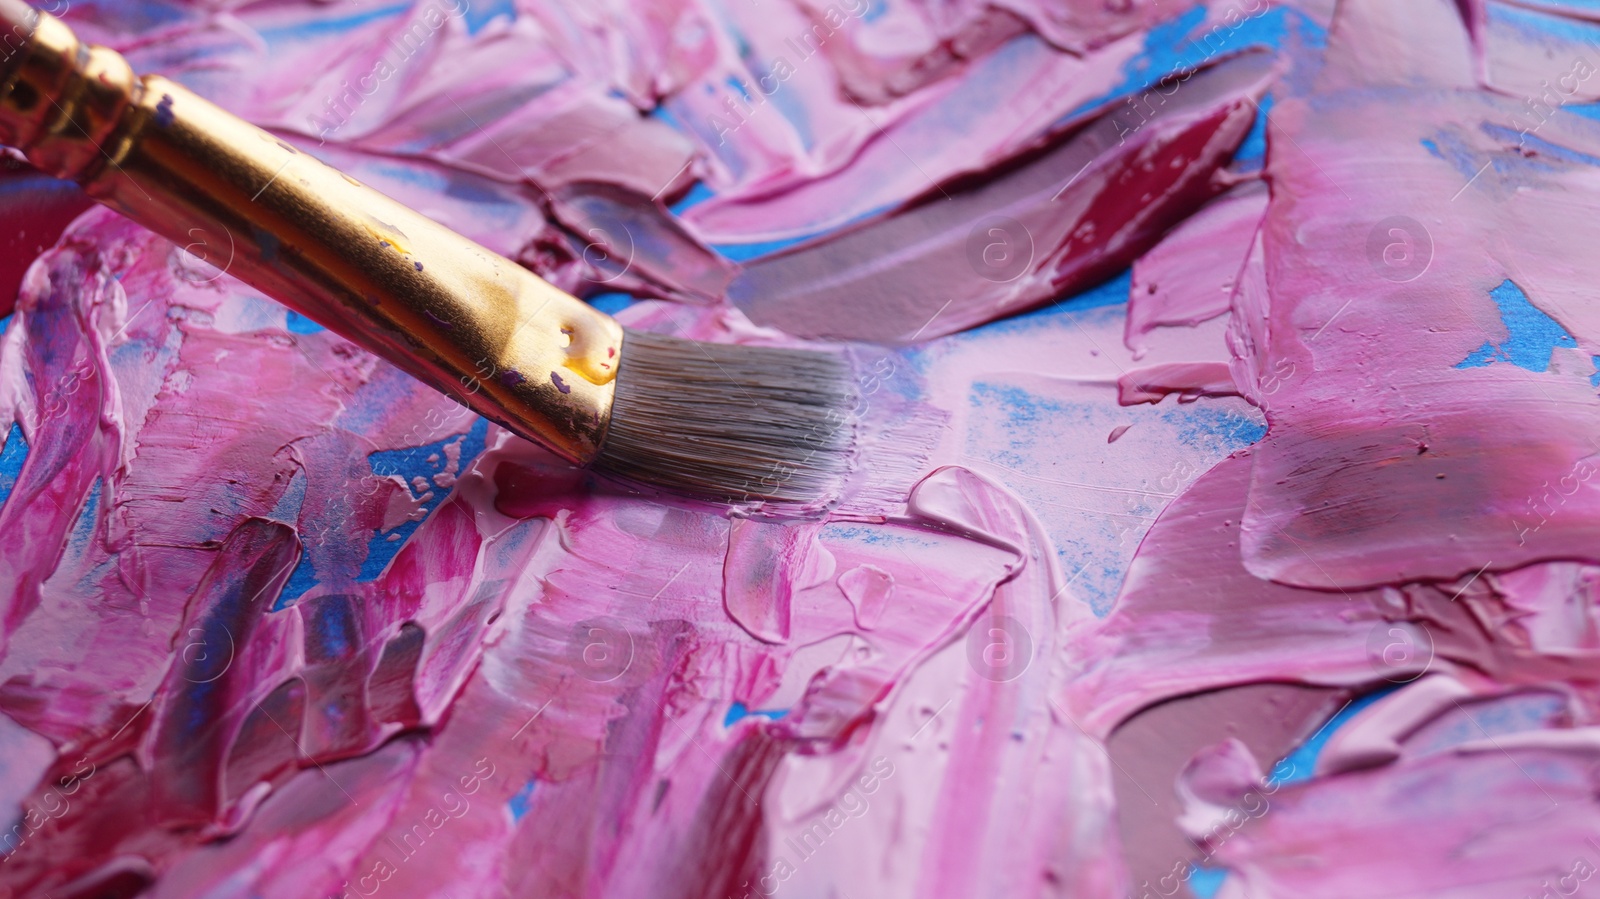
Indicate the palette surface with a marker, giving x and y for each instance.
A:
(1223, 520)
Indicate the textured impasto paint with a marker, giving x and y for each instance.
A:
(1223, 519)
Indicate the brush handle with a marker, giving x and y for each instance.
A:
(449, 311)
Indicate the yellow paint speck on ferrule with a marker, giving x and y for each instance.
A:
(389, 236)
(590, 353)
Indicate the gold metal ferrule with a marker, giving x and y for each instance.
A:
(449, 311)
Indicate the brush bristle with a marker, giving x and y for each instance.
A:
(729, 422)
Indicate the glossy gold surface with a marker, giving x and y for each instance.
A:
(449, 311)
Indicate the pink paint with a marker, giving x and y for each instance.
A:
(1189, 380)
(953, 129)
(38, 209)
(869, 590)
(1189, 277)
(759, 575)
(1056, 633)
(1374, 739)
(1380, 414)
(1056, 221)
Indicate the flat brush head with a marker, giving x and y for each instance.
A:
(731, 423)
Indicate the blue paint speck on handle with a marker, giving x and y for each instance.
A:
(164, 114)
(560, 384)
(268, 242)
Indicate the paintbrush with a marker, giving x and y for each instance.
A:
(730, 423)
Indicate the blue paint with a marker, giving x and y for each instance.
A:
(83, 527)
(1540, 26)
(744, 252)
(1574, 5)
(1094, 541)
(666, 117)
(1022, 412)
(1496, 718)
(787, 102)
(864, 536)
(1527, 139)
(482, 12)
(1254, 148)
(330, 26)
(518, 804)
(287, 510)
(741, 48)
(738, 712)
(1187, 42)
(380, 395)
(475, 190)
(303, 578)
(1173, 46)
(610, 303)
(1594, 381)
(1168, 47)
(299, 324)
(137, 16)
(12, 455)
(1463, 157)
(1297, 766)
(1432, 148)
(198, 699)
(1532, 335)
(1203, 430)
(268, 242)
(1111, 292)
(164, 116)
(1205, 882)
(1587, 110)
(331, 626)
(411, 463)
(706, 131)
(493, 205)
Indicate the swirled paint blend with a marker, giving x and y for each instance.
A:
(1316, 619)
